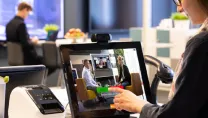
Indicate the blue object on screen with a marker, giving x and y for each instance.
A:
(74, 74)
(44, 12)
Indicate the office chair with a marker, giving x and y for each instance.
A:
(164, 74)
(82, 91)
(15, 54)
(51, 58)
(135, 81)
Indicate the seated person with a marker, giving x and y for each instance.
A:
(90, 82)
(124, 78)
(16, 31)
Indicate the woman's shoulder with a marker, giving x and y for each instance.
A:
(198, 43)
(198, 40)
(202, 35)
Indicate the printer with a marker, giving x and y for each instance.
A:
(34, 101)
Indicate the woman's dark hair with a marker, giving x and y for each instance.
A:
(204, 5)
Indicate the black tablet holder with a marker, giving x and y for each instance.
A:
(101, 38)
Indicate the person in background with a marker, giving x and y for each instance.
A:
(124, 74)
(90, 82)
(16, 32)
(91, 70)
(189, 91)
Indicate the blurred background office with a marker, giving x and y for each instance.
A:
(121, 18)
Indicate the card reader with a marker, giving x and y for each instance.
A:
(35, 101)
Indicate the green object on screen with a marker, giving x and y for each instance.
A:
(102, 89)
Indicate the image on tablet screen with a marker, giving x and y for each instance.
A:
(97, 70)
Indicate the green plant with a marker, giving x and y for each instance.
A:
(50, 27)
(179, 16)
(118, 52)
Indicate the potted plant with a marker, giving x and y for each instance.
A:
(52, 30)
(181, 21)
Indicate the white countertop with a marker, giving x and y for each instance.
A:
(65, 41)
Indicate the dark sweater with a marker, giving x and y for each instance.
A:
(191, 97)
(127, 75)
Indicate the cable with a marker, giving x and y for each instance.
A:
(68, 114)
(66, 105)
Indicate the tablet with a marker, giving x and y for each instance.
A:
(114, 64)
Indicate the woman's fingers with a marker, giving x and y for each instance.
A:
(117, 106)
(117, 100)
(123, 106)
(115, 89)
(118, 96)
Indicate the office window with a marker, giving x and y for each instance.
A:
(161, 9)
(43, 13)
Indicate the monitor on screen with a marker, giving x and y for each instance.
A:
(43, 13)
(19, 76)
(101, 61)
(83, 101)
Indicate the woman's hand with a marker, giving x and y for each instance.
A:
(128, 101)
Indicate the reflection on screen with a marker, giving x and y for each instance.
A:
(43, 13)
(122, 71)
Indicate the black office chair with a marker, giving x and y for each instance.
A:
(51, 58)
(164, 74)
(15, 54)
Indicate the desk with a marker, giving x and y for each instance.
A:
(61, 95)
(64, 41)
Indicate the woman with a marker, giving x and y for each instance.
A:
(190, 95)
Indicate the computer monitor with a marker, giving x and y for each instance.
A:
(82, 102)
(52, 36)
(21, 75)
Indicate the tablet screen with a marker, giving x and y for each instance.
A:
(100, 67)
(109, 68)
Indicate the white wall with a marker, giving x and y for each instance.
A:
(131, 60)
